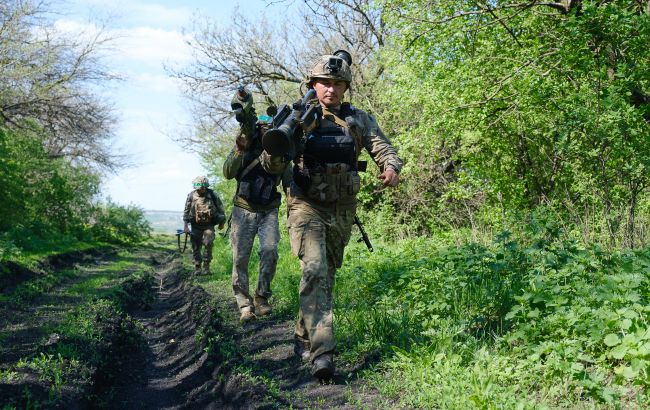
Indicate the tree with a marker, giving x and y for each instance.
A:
(46, 86)
(534, 102)
(271, 59)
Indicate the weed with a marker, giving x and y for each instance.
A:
(8, 376)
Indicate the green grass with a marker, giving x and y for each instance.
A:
(93, 331)
(31, 257)
(30, 290)
(545, 323)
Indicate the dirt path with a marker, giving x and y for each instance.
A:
(173, 371)
(200, 357)
(194, 353)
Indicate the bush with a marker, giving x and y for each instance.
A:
(120, 224)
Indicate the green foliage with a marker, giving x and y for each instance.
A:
(28, 291)
(532, 319)
(120, 224)
(479, 325)
(518, 106)
(50, 368)
(43, 196)
(48, 202)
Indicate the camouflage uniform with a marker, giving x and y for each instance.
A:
(322, 204)
(255, 212)
(203, 234)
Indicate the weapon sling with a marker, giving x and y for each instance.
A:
(178, 239)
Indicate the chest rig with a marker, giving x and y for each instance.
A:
(254, 184)
(327, 169)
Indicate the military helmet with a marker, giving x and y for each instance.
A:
(333, 66)
(200, 181)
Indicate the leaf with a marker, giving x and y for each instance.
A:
(611, 340)
(627, 372)
(626, 324)
(618, 352)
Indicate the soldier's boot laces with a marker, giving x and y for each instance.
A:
(302, 349)
(246, 315)
(262, 307)
(323, 367)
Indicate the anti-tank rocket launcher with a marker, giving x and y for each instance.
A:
(281, 138)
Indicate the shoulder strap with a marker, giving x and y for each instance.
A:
(329, 115)
(250, 167)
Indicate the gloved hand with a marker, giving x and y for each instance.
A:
(242, 104)
(242, 142)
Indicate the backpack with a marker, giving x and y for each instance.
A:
(205, 208)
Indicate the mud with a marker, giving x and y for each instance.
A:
(200, 357)
(194, 354)
(174, 371)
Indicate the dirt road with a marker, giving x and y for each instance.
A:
(191, 353)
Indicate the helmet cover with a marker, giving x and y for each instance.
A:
(330, 67)
(200, 181)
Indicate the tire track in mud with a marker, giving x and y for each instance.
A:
(172, 371)
(199, 357)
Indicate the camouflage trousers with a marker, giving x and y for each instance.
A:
(244, 226)
(318, 238)
(202, 236)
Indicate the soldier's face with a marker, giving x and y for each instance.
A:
(201, 190)
(330, 92)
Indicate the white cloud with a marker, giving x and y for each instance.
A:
(162, 185)
(151, 45)
(160, 83)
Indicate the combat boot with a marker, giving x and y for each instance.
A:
(206, 268)
(246, 315)
(262, 307)
(323, 367)
(302, 349)
(197, 268)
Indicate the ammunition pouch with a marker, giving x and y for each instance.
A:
(338, 182)
(258, 187)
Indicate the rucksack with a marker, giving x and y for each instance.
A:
(205, 208)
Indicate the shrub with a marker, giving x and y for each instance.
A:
(120, 224)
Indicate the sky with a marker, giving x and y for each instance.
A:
(148, 103)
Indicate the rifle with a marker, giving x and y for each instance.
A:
(364, 235)
(179, 232)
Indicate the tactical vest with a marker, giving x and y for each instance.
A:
(329, 162)
(205, 208)
(257, 186)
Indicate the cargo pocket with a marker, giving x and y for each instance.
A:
(354, 183)
(332, 188)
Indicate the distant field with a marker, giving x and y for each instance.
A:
(165, 221)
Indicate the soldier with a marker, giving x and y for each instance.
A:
(203, 210)
(322, 199)
(255, 210)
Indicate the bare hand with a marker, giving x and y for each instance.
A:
(186, 228)
(389, 177)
